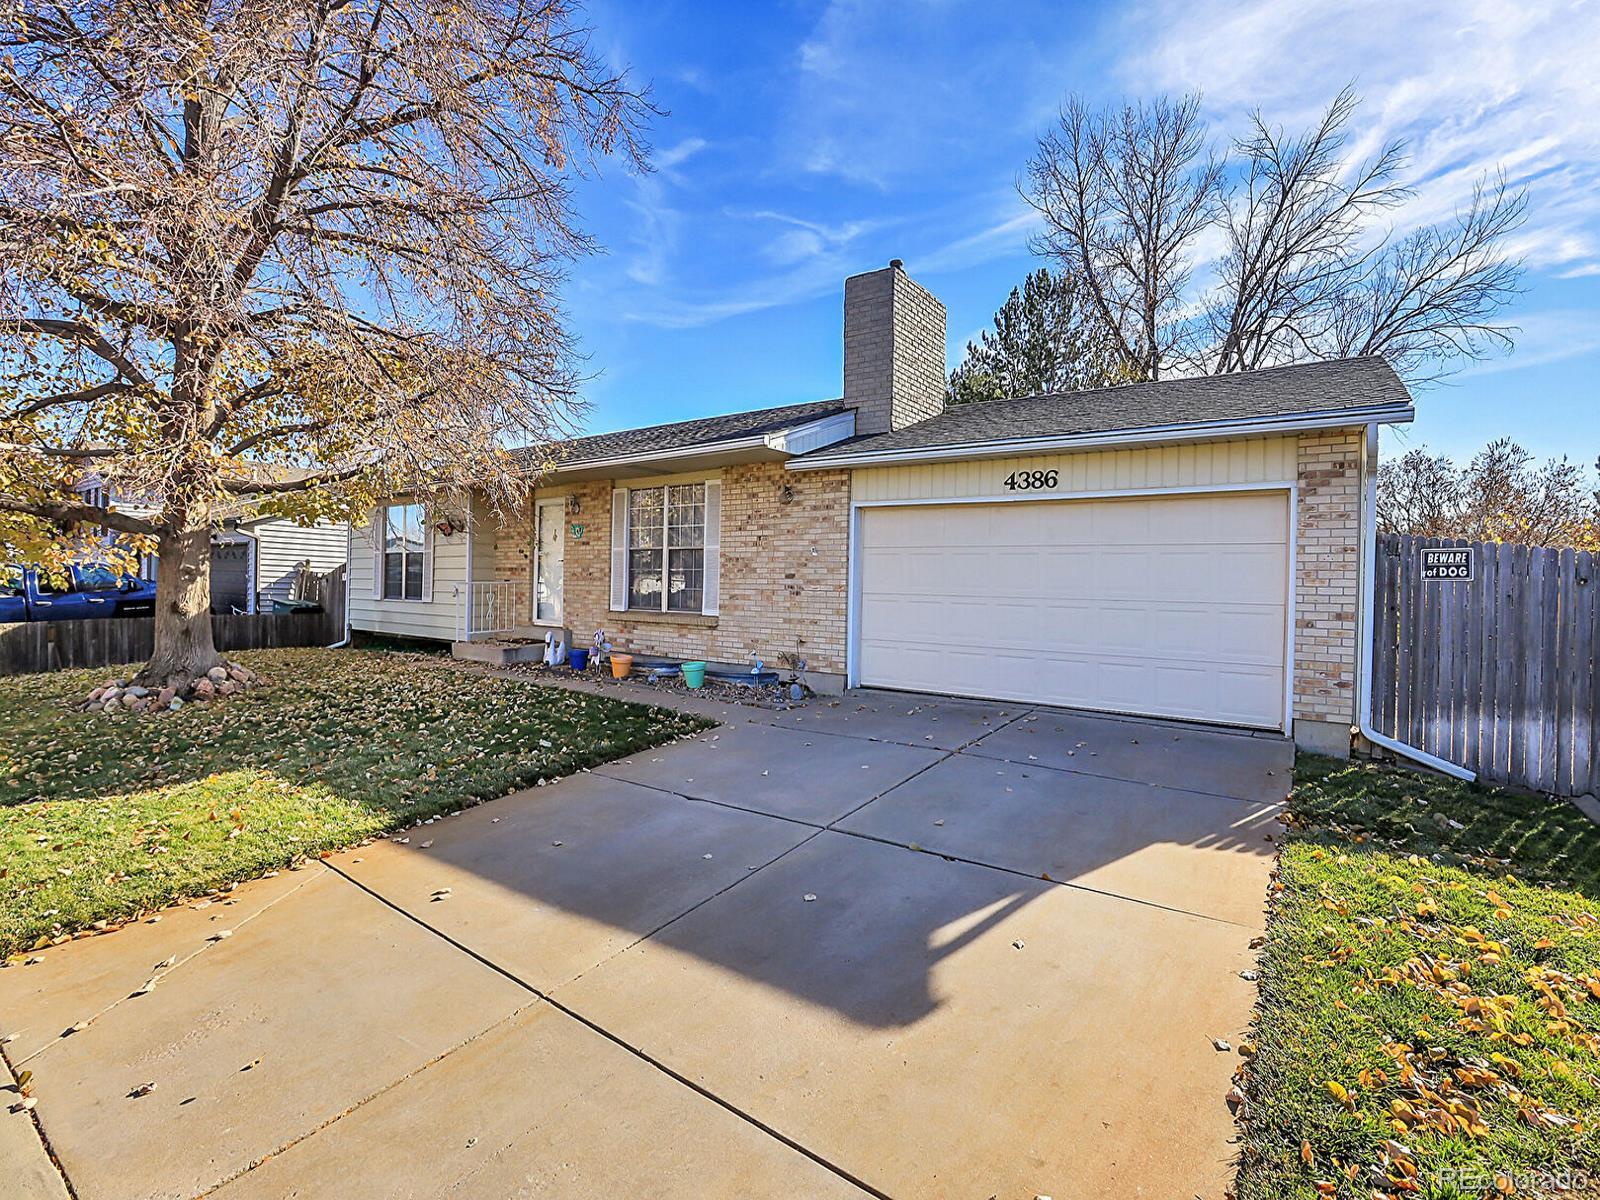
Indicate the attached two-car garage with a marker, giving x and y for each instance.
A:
(1165, 605)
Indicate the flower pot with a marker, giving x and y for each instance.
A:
(579, 660)
(694, 674)
(621, 665)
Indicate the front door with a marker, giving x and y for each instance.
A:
(549, 561)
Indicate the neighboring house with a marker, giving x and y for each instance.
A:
(1189, 548)
(254, 559)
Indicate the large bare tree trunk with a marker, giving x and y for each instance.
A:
(184, 650)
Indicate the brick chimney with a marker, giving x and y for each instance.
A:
(894, 366)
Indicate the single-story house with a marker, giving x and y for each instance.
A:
(255, 559)
(1189, 548)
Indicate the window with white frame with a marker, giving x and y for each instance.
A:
(666, 547)
(403, 550)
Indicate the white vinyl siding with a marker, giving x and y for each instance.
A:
(281, 546)
(436, 616)
(1197, 464)
(1171, 606)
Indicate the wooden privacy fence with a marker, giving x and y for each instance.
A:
(1497, 673)
(57, 645)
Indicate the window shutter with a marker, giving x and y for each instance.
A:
(619, 549)
(427, 555)
(712, 595)
(378, 517)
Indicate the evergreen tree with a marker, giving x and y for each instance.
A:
(1042, 341)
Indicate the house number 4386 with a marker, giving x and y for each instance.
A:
(1030, 481)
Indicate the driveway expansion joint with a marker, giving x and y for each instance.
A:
(363, 1101)
(160, 974)
(567, 1010)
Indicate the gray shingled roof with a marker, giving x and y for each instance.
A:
(680, 435)
(1347, 383)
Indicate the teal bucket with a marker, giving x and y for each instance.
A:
(694, 674)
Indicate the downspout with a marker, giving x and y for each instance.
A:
(1369, 627)
(349, 529)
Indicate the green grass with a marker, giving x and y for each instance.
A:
(1430, 994)
(104, 817)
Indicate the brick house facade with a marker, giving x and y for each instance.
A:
(1231, 604)
(785, 543)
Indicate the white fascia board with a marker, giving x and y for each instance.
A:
(814, 435)
(1387, 414)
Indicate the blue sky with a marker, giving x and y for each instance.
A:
(808, 141)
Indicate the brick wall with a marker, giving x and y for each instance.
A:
(1327, 598)
(783, 577)
(894, 352)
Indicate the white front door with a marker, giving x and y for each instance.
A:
(550, 559)
(1167, 606)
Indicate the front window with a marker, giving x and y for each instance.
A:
(402, 552)
(666, 547)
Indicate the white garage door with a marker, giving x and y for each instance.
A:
(1167, 606)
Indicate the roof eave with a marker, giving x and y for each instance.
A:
(774, 445)
(1382, 414)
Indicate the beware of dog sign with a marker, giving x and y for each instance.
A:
(1447, 563)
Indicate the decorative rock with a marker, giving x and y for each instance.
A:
(96, 694)
(93, 706)
(227, 687)
(176, 703)
(204, 690)
(111, 695)
(129, 699)
(217, 674)
(239, 673)
(139, 692)
(168, 694)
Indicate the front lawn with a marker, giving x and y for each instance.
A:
(1429, 1022)
(103, 817)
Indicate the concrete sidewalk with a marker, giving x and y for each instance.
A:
(889, 946)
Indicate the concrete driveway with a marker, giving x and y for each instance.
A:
(893, 946)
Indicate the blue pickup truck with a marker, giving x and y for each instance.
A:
(91, 590)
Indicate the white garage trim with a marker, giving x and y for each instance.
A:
(1289, 488)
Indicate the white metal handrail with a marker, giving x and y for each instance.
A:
(495, 606)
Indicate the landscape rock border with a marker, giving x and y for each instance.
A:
(219, 683)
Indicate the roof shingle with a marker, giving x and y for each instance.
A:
(1297, 390)
(680, 435)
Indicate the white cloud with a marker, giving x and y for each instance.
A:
(1473, 86)
(676, 156)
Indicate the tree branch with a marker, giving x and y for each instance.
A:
(86, 514)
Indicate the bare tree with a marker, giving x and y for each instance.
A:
(1132, 201)
(298, 252)
(1435, 296)
(1294, 225)
(1125, 194)
(1419, 494)
(1501, 495)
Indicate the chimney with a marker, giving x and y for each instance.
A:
(894, 367)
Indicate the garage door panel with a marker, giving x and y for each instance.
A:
(1171, 606)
